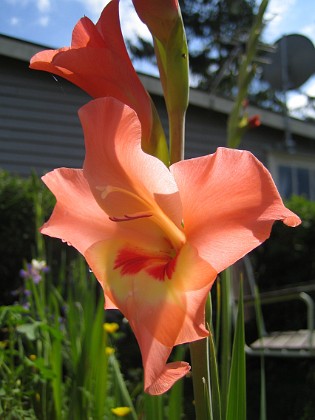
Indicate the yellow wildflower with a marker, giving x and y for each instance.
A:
(121, 411)
(3, 344)
(111, 327)
(109, 350)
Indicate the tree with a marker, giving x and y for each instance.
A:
(216, 33)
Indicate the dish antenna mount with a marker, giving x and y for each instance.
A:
(289, 67)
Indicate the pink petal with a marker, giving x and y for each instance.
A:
(109, 28)
(160, 17)
(85, 34)
(77, 218)
(98, 63)
(159, 376)
(124, 180)
(161, 313)
(230, 203)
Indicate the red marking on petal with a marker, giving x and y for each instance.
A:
(130, 261)
(157, 271)
(170, 267)
(127, 218)
(158, 265)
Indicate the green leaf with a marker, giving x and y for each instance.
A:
(246, 73)
(28, 330)
(46, 373)
(175, 405)
(260, 328)
(226, 328)
(236, 402)
(201, 378)
(154, 407)
(122, 385)
(56, 365)
(214, 381)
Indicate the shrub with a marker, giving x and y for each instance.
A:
(288, 257)
(17, 229)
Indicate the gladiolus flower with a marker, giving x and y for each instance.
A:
(160, 17)
(98, 63)
(155, 237)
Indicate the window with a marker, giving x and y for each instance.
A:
(293, 175)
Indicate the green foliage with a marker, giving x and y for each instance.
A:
(53, 361)
(225, 336)
(289, 256)
(245, 75)
(215, 33)
(303, 207)
(236, 401)
(18, 226)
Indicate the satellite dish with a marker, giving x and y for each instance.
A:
(292, 63)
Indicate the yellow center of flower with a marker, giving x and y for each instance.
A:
(174, 234)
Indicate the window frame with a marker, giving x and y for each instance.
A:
(293, 161)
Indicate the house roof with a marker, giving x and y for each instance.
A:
(24, 50)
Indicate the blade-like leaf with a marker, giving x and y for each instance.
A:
(225, 336)
(214, 381)
(236, 403)
(122, 385)
(175, 405)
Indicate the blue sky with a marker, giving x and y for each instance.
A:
(50, 22)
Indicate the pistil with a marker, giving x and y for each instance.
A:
(175, 235)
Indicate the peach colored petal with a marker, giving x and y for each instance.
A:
(162, 306)
(161, 313)
(77, 218)
(108, 26)
(160, 17)
(164, 9)
(98, 63)
(159, 376)
(85, 34)
(230, 203)
(125, 181)
(44, 61)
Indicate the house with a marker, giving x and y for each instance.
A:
(40, 129)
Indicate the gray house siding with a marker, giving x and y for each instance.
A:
(40, 128)
(206, 130)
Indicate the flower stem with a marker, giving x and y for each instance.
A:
(201, 378)
(177, 136)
